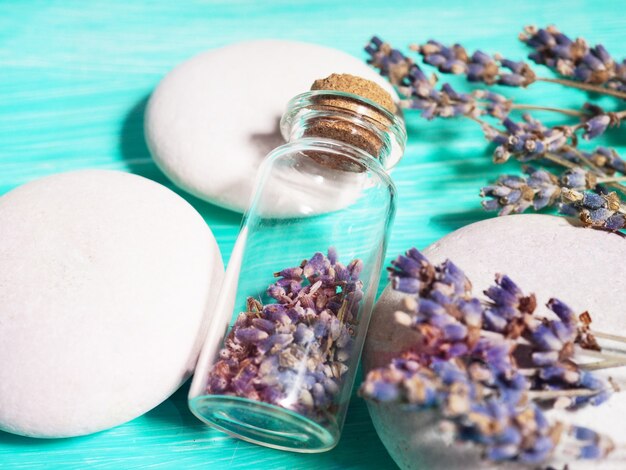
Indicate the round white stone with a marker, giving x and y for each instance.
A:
(105, 287)
(545, 255)
(213, 119)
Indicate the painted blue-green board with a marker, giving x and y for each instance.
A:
(74, 79)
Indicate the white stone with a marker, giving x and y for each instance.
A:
(106, 284)
(213, 119)
(543, 254)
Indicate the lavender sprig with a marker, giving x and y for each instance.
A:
(595, 210)
(575, 58)
(294, 353)
(420, 91)
(470, 401)
(512, 194)
(453, 323)
(478, 67)
(528, 139)
(466, 363)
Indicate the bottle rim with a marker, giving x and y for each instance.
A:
(389, 127)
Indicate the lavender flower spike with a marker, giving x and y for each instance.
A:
(514, 194)
(464, 363)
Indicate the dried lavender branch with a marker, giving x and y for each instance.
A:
(593, 66)
(526, 140)
(465, 364)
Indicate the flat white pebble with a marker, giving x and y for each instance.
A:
(213, 118)
(547, 255)
(105, 288)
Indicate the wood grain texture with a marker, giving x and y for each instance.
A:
(74, 79)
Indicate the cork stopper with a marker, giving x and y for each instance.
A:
(363, 136)
(357, 86)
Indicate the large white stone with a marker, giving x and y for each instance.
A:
(105, 287)
(213, 119)
(543, 254)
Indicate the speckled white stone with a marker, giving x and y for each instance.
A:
(544, 254)
(213, 119)
(106, 284)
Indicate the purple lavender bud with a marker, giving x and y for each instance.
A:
(601, 53)
(314, 265)
(545, 358)
(303, 334)
(569, 210)
(601, 397)
(590, 451)
(331, 387)
(407, 265)
(590, 381)
(511, 126)
(501, 296)
(575, 178)
(455, 332)
(376, 41)
(480, 57)
(596, 126)
(583, 74)
(514, 66)
(561, 39)
(435, 59)
(263, 324)
(592, 200)
(408, 285)
(600, 216)
(321, 327)
(545, 340)
(539, 452)
(291, 273)
(566, 332)
(494, 321)
(319, 394)
(332, 255)
(561, 309)
(355, 267)
(250, 335)
(545, 38)
(341, 272)
(472, 312)
(453, 275)
(277, 292)
(593, 62)
(217, 384)
(277, 314)
(584, 434)
(512, 79)
(458, 349)
(430, 308)
(490, 204)
(615, 222)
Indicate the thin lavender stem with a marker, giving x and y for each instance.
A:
(601, 365)
(552, 394)
(559, 160)
(568, 112)
(583, 86)
(610, 336)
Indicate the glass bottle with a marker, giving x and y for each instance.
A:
(279, 363)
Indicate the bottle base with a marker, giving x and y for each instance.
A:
(264, 424)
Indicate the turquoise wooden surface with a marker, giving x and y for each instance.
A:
(74, 79)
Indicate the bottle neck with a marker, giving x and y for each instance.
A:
(349, 120)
